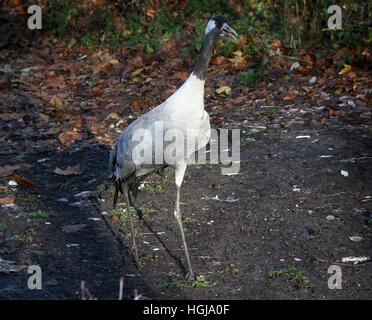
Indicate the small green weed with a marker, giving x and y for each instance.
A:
(202, 282)
(297, 278)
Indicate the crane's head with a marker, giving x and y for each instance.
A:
(219, 25)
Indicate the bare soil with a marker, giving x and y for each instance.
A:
(270, 216)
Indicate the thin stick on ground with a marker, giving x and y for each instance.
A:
(121, 288)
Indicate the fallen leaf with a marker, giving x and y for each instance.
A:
(347, 68)
(56, 102)
(151, 12)
(71, 43)
(114, 62)
(223, 89)
(365, 52)
(276, 43)
(291, 95)
(182, 75)
(9, 116)
(69, 137)
(69, 171)
(137, 72)
(356, 238)
(23, 181)
(240, 100)
(7, 200)
(8, 170)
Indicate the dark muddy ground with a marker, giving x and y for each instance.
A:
(288, 206)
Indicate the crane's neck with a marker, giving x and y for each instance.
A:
(201, 66)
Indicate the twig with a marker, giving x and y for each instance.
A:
(353, 159)
(82, 289)
(344, 264)
(121, 287)
(336, 194)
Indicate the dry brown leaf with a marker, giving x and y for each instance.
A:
(240, 100)
(137, 72)
(69, 171)
(9, 116)
(219, 60)
(7, 200)
(151, 12)
(69, 137)
(182, 75)
(291, 95)
(277, 43)
(96, 91)
(23, 181)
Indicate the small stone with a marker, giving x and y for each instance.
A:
(330, 217)
(72, 245)
(94, 219)
(344, 173)
(312, 80)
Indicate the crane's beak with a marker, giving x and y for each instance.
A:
(227, 31)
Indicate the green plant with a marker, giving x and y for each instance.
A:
(188, 220)
(137, 234)
(144, 260)
(2, 227)
(202, 282)
(119, 214)
(153, 188)
(39, 214)
(235, 291)
(297, 278)
(109, 193)
(249, 77)
(234, 270)
(145, 212)
(28, 237)
(172, 284)
(41, 256)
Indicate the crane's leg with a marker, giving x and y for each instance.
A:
(180, 172)
(134, 246)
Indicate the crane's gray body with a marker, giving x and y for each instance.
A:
(183, 111)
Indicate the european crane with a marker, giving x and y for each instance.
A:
(184, 113)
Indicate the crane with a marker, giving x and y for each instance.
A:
(144, 147)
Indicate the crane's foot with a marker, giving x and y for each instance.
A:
(190, 276)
